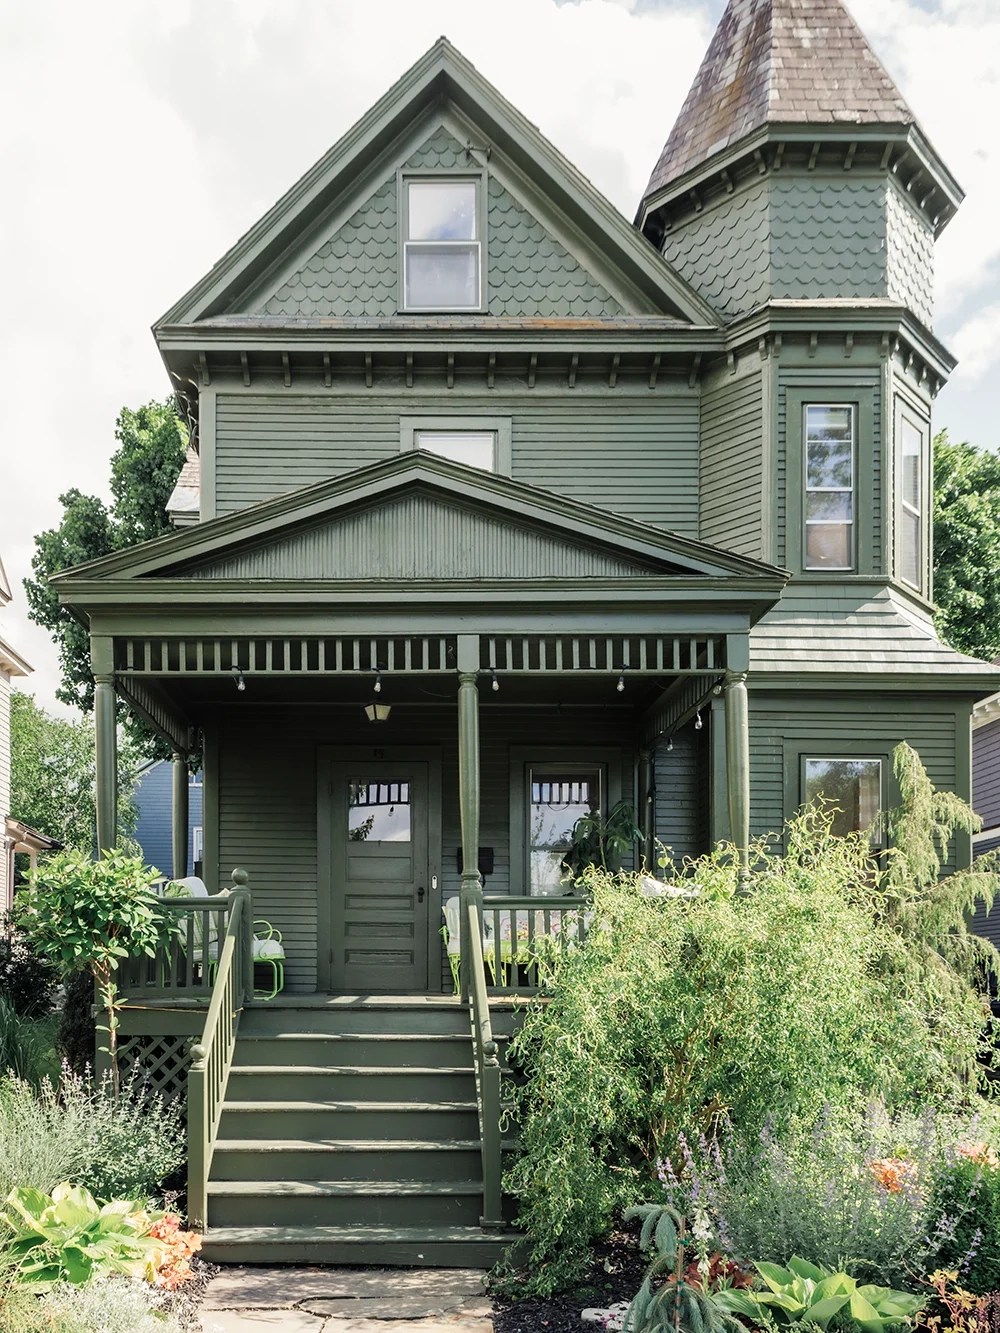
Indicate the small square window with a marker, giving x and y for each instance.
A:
(473, 448)
(442, 249)
(851, 787)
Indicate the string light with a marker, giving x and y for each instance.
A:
(240, 682)
(670, 743)
(697, 720)
(495, 685)
(378, 682)
(620, 687)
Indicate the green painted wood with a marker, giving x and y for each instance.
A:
(419, 1246)
(179, 816)
(909, 254)
(433, 1159)
(106, 742)
(611, 447)
(738, 769)
(732, 478)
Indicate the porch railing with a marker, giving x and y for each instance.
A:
(487, 1072)
(212, 1057)
(523, 936)
(182, 968)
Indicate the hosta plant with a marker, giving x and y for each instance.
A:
(69, 1237)
(803, 1293)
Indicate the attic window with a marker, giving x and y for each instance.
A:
(442, 246)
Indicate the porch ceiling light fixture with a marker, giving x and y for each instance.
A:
(240, 682)
(378, 682)
(670, 743)
(620, 687)
(378, 712)
(698, 724)
(494, 683)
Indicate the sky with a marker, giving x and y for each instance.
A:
(140, 138)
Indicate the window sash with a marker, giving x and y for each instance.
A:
(544, 855)
(820, 430)
(911, 497)
(464, 283)
(428, 440)
(869, 802)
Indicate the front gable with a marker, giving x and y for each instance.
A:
(328, 248)
(530, 272)
(420, 517)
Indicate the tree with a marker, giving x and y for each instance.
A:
(967, 547)
(53, 774)
(152, 441)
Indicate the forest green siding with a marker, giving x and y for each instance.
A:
(828, 237)
(723, 251)
(868, 723)
(732, 461)
(910, 255)
(268, 796)
(355, 272)
(682, 793)
(635, 454)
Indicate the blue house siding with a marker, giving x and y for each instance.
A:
(153, 794)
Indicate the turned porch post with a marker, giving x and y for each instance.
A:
(468, 788)
(738, 749)
(106, 743)
(179, 815)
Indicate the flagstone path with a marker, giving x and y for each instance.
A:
(347, 1300)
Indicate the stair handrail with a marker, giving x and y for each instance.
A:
(487, 1072)
(212, 1056)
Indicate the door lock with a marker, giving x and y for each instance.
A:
(420, 894)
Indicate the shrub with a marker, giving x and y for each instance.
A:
(27, 982)
(27, 1046)
(807, 995)
(967, 1200)
(105, 1305)
(76, 1036)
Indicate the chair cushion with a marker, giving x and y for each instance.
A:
(267, 949)
(189, 887)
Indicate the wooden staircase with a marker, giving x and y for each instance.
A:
(349, 1134)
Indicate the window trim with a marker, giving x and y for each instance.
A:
(861, 396)
(795, 753)
(906, 412)
(808, 490)
(500, 427)
(403, 178)
(522, 759)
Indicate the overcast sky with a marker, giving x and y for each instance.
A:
(140, 138)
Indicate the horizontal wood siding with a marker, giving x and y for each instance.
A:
(635, 455)
(268, 798)
(732, 478)
(986, 923)
(682, 794)
(876, 721)
(986, 773)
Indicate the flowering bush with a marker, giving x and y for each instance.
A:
(966, 1200)
(170, 1264)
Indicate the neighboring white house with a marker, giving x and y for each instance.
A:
(17, 837)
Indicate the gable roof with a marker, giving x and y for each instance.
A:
(442, 76)
(634, 546)
(789, 62)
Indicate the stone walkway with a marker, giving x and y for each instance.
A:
(347, 1300)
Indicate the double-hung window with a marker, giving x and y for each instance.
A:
(830, 465)
(911, 503)
(442, 243)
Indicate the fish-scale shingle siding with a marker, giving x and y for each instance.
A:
(723, 251)
(909, 256)
(828, 239)
(355, 273)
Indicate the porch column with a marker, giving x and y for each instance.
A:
(468, 787)
(106, 742)
(738, 768)
(179, 815)
(647, 804)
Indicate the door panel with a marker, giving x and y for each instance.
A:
(379, 906)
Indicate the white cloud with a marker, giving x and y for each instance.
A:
(977, 345)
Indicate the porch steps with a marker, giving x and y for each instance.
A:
(350, 1134)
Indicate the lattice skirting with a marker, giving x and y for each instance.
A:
(160, 1061)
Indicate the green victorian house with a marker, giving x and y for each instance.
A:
(501, 510)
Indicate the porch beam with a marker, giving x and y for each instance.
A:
(738, 752)
(179, 815)
(105, 743)
(468, 790)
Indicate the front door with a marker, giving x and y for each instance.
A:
(379, 881)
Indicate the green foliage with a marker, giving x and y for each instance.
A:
(27, 982)
(89, 915)
(53, 774)
(671, 1304)
(804, 1294)
(77, 1034)
(677, 1014)
(124, 1146)
(105, 1305)
(69, 1237)
(27, 1046)
(968, 1195)
(967, 547)
(602, 840)
(152, 441)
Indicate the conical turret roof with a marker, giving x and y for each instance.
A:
(790, 62)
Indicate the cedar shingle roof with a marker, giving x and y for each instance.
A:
(779, 61)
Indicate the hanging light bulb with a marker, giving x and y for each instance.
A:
(670, 743)
(378, 682)
(698, 724)
(495, 684)
(240, 682)
(620, 687)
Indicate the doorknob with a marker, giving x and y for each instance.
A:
(420, 894)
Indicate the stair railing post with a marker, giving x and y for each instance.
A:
(198, 1134)
(241, 893)
(468, 792)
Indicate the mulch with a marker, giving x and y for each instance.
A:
(615, 1273)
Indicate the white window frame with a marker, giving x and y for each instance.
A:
(479, 242)
(197, 843)
(907, 417)
(410, 429)
(808, 490)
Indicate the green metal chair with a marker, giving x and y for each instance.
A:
(268, 949)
